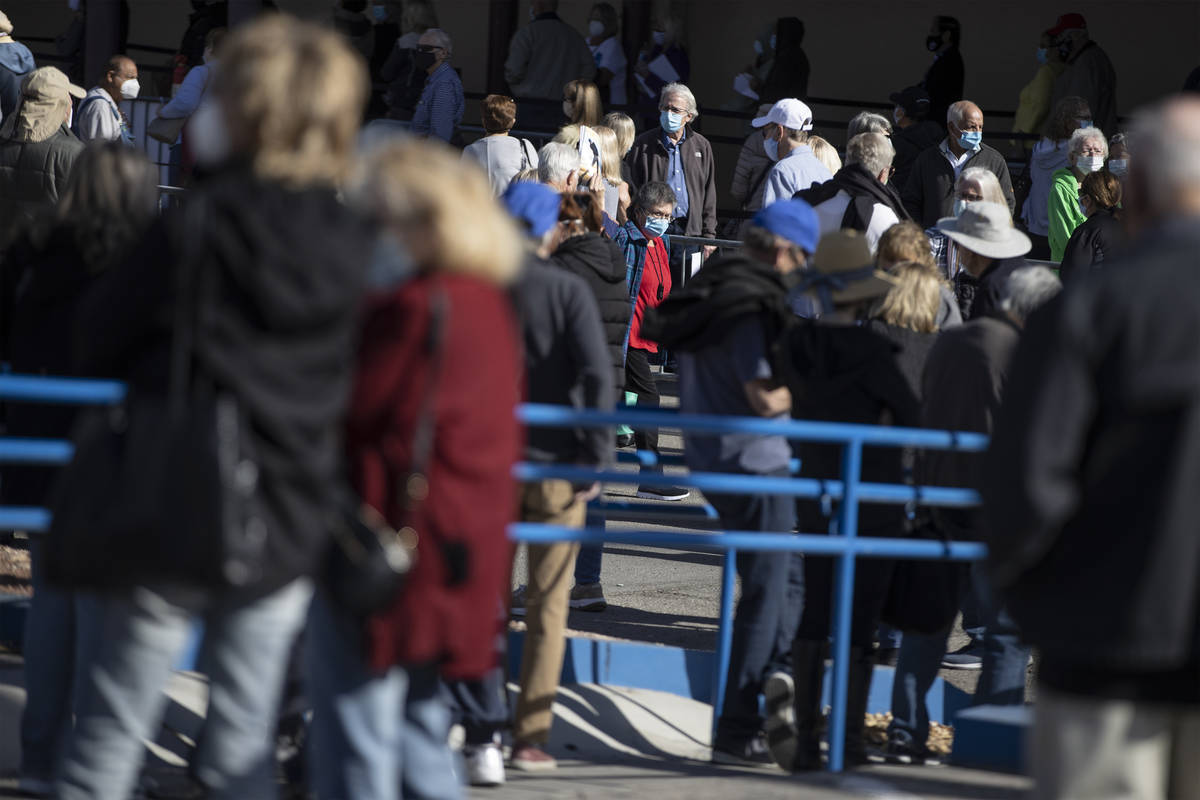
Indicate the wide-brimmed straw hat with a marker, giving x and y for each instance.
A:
(986, 228)
(843, 271)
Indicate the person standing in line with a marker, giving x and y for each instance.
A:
(500, 154)
(723, 324)
(543, 57)
(277, 137)
(1035, 100)
(944, 78)
(440, 109)
(753, 164)
(790, 69)
(785, 140)
(99, 117)
(15, 63)
(964, 385)
(1048, 157)
(914, 133)
(1101, 238)
(605, 44)
(37, 151)
(1087, 152)
(929, 193)
(1089, 492)
(566, 364)
(406, 82)
(666, 43)
(1089, 73)
(581, 103)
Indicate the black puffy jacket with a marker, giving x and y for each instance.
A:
(601, 264)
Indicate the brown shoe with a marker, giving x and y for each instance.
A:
(530, 758)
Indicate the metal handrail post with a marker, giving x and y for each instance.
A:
(843, 610)
(724, 636)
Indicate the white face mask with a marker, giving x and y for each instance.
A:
(130, 89)
(595, 28)
(1089, 164)
(208, 135)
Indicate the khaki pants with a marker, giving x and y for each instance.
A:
(1088, 748)
(546, 600)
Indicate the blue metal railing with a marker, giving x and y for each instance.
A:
(849, 490)
(845, 547)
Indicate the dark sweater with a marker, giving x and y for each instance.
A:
(944, 82)
(910, 142)
(648, 161)
(566, 362)
(929, 193)
(601, 264)
(1092, 243)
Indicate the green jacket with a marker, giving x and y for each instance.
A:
(1063, 211)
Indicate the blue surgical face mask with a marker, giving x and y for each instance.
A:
(1118, 166)
(659, 37)
(772, 148)
(758, 47)
(1041, 55)
(1085, 123)
(379, 13)
(670, 121)
(960, 206)
(970, 140)
(656, 227)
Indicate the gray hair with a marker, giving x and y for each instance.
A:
(1028, 289)
(873, 150)
(1084, 135)
(867, 122)
(441, 39)
(679, 90)
(653, 194)
(1167, 138)
(957, 112)
(556, 162)
(989, 184)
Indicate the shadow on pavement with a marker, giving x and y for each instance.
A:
(639, 625)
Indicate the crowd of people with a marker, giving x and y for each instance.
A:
(343, 333)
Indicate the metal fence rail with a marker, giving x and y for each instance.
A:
(845, 545)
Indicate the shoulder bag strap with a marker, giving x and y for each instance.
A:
(416, 482)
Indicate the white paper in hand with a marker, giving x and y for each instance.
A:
(741, 85)
(662, 67)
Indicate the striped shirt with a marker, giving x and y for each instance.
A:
(441, 106)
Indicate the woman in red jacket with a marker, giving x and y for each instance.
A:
(380, 723)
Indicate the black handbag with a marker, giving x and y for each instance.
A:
(369, 560)
(925, 595)
(163, 487)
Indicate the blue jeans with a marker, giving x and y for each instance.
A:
(588, 560)
(1002, 681)
(767, 613)
(59, 640)
(374, 736)
(480, 706)
(889, 637)
(140, 637)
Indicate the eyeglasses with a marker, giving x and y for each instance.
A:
(667, 217)
(675, 110)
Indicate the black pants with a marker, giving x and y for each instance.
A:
(638, 378)
(872, 580)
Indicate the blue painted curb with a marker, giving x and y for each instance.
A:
(992, 737)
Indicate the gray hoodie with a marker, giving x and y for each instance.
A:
(1048, 157)
(15, 62)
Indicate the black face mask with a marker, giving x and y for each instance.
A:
(932, 43)
(1064, 50)
(424, 60)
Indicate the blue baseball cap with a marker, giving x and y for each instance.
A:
(534, 204)
(794, 220)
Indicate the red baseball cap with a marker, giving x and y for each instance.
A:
(1068, 22)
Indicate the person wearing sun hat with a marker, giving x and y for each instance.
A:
(37, 149)
(15, 63)
(991, 249)
(840, 371)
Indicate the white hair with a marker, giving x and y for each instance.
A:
(1028, 289)
(679, 90)
(957, 112)
(556, 162)
(441, 38)
(1167, 139)
(873, 150)
(1084, 135)
(868, 122)
(989, 184)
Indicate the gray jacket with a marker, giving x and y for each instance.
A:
(32, 177)
(544, 56)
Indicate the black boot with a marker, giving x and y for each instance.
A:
(862, 665)
(808, 670)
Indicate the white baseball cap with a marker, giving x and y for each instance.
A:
(788, 112)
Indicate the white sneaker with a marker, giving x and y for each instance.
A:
(485, 765)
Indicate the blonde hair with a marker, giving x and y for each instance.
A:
(914, 300)
(610, 160)
(568, 135)
(293, 95)
(826, 153)
(584, 97)
(904, 241)
(526, 176)
(418, 183)
(623, 126)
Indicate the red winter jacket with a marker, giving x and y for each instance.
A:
(472, 496)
